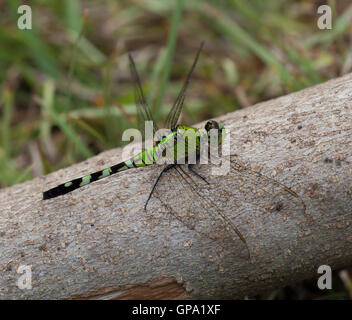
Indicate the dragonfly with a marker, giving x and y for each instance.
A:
(203, 204)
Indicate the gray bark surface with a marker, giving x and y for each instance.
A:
(98, 242)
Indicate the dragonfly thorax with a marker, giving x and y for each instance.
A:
(185, 141)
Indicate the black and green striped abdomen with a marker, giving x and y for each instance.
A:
(167, 147)
(80, 182)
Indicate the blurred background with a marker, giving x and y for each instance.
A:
(66, 92)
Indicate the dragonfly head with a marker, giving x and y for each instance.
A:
(212, 125)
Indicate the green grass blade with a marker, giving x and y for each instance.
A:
(88, 128)
(170, 49)
(7, 97)
(47, 103)
(23, 176)
(155, 80)
(73, 15)
(239, 35)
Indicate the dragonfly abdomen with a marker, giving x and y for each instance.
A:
(80, 182)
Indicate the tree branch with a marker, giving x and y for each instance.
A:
(98, 242)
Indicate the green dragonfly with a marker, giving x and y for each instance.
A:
(202, 205)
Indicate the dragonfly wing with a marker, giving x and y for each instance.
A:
(176, 109)
(180, 197)
(279, 197)
(252, 196)
(143, 110)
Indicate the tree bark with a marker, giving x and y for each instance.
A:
(98, 242)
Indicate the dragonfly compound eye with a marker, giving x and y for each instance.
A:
(211, 125)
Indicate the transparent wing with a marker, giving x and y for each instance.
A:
(176, 109)
(251, 185)
(143, 111)
(253, 197)
(181, 197)
(224, 209)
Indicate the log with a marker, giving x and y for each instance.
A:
(98, 243)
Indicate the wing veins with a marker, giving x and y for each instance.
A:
(221, 214)
(143, 110)
(248, 173)
(175, 111)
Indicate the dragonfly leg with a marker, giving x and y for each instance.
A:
(168, 167)
(190, 168)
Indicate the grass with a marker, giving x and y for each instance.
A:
(168, 57)
(65, 91)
